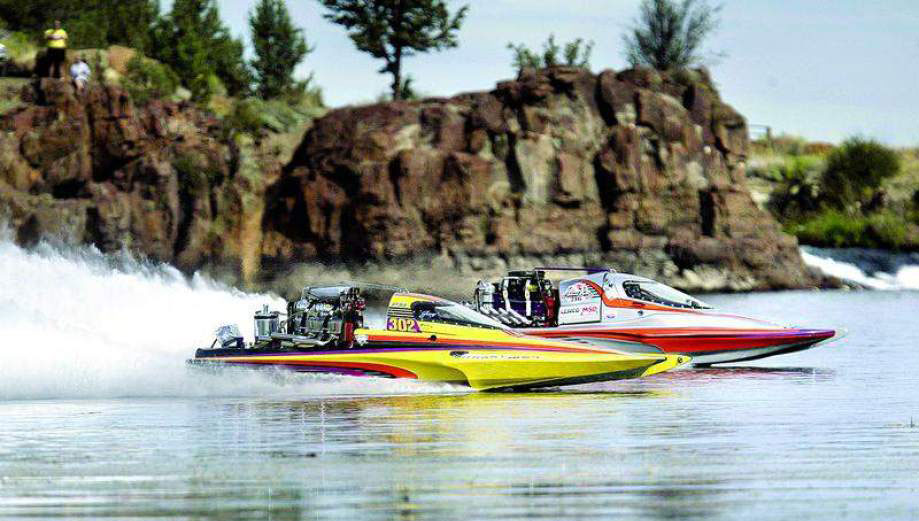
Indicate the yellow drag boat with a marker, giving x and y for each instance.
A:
(420, 337)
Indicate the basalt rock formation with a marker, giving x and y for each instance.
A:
(162, 180)
(636, 169)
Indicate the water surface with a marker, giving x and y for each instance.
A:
(823, 434)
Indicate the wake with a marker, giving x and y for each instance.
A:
(871, 268)
(75, 323)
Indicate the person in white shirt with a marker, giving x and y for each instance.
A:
(80, 73)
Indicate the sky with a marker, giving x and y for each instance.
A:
(822, 69)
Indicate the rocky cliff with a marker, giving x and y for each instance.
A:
(637, 170)
(163, 180)
(641, 171)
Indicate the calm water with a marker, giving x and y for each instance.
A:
(823, 434)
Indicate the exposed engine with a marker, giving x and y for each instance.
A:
(521, 299)
(324, 316)
(328, 314)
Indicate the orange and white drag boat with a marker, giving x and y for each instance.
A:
(621, 311)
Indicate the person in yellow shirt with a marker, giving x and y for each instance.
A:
(56, 40)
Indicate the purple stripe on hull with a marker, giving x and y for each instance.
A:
(440, 347)
(344, 371)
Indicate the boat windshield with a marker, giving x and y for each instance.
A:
(657, 293)
(453, 313)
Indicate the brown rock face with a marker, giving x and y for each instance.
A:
(640, 170)
(637, 170)
(159, 180)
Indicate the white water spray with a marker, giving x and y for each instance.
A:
(903, 276)
(75, 323)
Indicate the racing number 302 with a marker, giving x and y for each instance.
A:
(404, 324)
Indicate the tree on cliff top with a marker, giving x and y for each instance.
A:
(669, 34)
(279, 47)
(394, 29)
(197, 46)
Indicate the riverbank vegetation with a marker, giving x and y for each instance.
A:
(859, 193)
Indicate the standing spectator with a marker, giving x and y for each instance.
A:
(57, 48)
(80, 73)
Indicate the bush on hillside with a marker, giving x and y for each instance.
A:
(148, 79)
(838, 229)
(855, 171)
(798, 190)
(21, 53)
(255, 116)
(575, 53)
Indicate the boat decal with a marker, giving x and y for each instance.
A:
(319, 365)
(409, 325)
(628, 303)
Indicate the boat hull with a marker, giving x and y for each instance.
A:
(482, 368)
(706, 346)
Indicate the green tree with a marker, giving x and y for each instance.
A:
(130, 22)
(575, 53)
(392, 30)
(279, 47)
(855, 171)
(669, 34)
(195, 44)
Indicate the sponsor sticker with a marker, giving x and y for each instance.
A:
(466, 355)
(409, 325)
(579, 313)
(579, 292)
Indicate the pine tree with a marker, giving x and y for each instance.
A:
(669, 34)
(392, 30)
(196, 45)
(279, 48)
(129, 22)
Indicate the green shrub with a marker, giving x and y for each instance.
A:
(246, 117)
(855, 170)
(832, 228)
(21, 53)
(254, 115)
(147, 79)
(575, 53)
(886, 230)
(836, 229)
(798, 189)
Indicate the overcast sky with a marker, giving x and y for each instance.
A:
(824, 69)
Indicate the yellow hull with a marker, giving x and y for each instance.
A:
(516, 365)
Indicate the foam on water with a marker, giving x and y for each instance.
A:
(75, 323)
(841, 264)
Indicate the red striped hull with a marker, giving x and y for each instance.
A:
(705, 345)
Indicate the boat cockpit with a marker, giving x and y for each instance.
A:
(531, 299)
